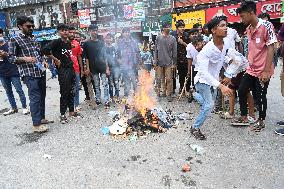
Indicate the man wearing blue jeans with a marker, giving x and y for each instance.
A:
(9, 75)
(25, 53)
(210, 60)
(93, 52)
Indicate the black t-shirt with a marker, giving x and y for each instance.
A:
(94, 52)
(181, 49)
(7, 69)
(60, 50)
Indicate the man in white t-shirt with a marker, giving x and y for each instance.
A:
(209, 62)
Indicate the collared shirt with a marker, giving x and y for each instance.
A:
(209, 62)
(191, 53)
(25, 46)
(258, 42)
(129, 53)
(233, 37)
(237, 63)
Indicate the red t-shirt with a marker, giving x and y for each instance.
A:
(76, 51)
(258, 40)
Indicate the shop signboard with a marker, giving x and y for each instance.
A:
(189, 18)
(150, 26)
(3, 20)
(272, 7)
(84, 18)
(134, 11)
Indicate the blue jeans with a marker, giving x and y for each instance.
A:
(37, 92)
(129, 77)
(52, 68)
(97, 78)
(207, 103)
(77, 90)
(7, 84)
(113, 82)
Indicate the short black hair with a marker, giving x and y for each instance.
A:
(1, 31)
(72, 28)
(215, 22)
(247, 6)
(197, 25)
(21, 20)
(264, 15)
(180, 23)
(196, 39)
(62, 27)
(193, 30)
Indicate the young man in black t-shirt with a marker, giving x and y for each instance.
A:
(93, 52)
(59, 50)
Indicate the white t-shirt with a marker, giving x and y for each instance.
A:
(233, 37)
(191, 53)
(209, 62)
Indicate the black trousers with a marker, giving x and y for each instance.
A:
(67, 79)
(259, 92)
(182, 68)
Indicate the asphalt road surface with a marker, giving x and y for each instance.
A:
(78, 155)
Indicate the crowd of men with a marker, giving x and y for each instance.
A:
(211, 63)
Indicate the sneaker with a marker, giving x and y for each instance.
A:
(280, 132)
(98, 102)
(227, 115)
(258, 126)
(240, 122)
(197, 134)
(78, 109)
(26, 111)
(39, 129)
(170, 98)
(63, 119)
(107, 105)
(10, 112)
(251, 120)
(280, 123)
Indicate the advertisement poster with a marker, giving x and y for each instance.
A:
(84, 18)
(189, 18)
(134, 11)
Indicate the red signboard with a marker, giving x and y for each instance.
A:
(272, 7)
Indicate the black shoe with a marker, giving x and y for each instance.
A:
(107, 105)
(98, 102)
(197, 134)
(63, 119)
(280, 123)
(280, 132)
(258, 126)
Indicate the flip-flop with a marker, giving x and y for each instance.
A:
(45, 121)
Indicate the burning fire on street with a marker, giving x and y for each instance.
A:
(141, 115)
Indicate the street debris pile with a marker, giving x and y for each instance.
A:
(140, 115)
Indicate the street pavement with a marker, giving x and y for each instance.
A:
(78, 155)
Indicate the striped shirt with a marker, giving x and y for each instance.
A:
(24, 46)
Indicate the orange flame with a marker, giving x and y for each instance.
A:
(143, 98)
